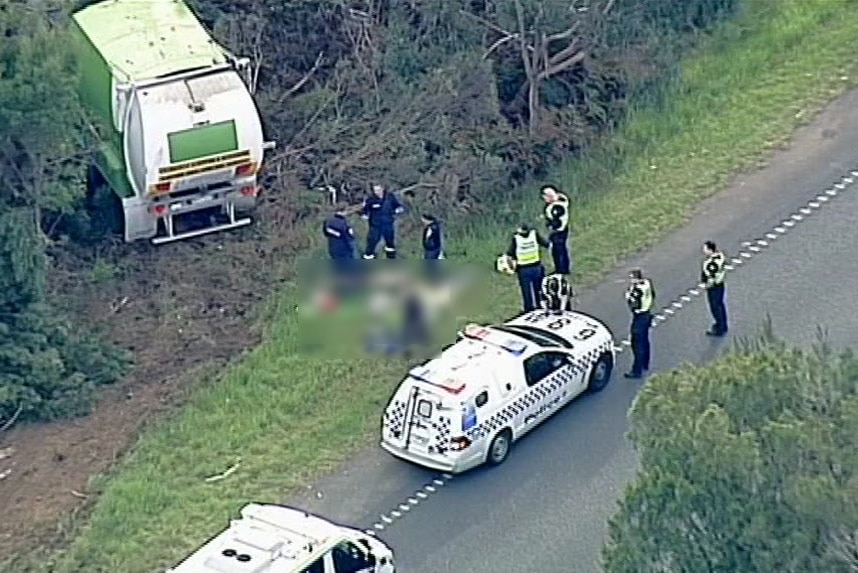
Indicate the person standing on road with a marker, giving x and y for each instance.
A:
(640, 298)
(380, 209)
(524, 250)
(557, 218)
(712, 276)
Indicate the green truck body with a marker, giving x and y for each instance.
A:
(179, 132)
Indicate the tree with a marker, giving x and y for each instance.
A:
(748, 464)
(47, 368)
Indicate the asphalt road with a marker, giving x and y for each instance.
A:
(546, 508)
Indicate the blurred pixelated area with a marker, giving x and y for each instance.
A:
(383, 307)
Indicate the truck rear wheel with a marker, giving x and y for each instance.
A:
(104, 206)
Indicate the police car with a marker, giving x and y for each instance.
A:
(467, 406)
(280, 539)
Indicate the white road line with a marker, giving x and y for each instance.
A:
(797, 217)
(685, 298)
(669, 311)
(736, 261)
(805, 211)
(729, 267)
(762, 243)
(848, 179)
(771, 236)
(754, 249)
(822, 198)
(693, 291)
(813, 205)
(676, 304)
(780, 230)
(831, 192)
(839, 186)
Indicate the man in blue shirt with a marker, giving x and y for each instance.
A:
(381, 209)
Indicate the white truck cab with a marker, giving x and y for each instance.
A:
(466, 406)
(279, 539)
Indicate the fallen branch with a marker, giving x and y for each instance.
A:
(78, 494)
(231, 470)
(303, 80)
(11, 421)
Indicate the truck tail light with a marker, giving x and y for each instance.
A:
(459, 443)
(250, 191)
(158, 210)
(245, 169)
(162, 187)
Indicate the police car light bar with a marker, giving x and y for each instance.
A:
(421, 375)
(484, 334)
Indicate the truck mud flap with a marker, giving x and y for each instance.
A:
(171, 236)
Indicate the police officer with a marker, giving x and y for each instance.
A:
(524, 250)
(381, 209)
(557, 218)
(432, 244)
(712, 276)
(640, 298)
(556, 293)
(341, 240)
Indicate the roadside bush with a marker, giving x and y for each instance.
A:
(48, 367)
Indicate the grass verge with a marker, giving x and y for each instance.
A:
(290, 417)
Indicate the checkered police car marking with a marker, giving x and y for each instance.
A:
(540, 391)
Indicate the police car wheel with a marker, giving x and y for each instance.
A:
(601, 373)
(499, 448)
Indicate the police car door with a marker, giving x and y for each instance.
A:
(550, 377)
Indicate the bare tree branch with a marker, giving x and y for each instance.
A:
(11, 420)
(507, 34)
(303, 80)
(498, 44)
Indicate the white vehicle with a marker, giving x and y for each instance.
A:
(279, 539)
(466, 406)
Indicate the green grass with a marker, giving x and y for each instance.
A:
(289, 418)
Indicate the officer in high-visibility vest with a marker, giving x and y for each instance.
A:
(524, 250)
(640, 298)
(712, 276)
(557, 218)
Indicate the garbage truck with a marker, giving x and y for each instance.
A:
(179, 137)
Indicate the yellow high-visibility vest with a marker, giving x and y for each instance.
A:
(526, 249)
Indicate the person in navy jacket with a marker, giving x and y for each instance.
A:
(341, 239)
(381, 209)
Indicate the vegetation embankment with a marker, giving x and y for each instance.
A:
(289, 417)
(747, 464)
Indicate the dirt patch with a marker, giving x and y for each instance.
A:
(179, 308)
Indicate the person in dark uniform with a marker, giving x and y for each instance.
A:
(432, 244)
(557, 218)
(640, 298)
(341, 240)
(341, 248)
(556, 293)
(712, 276)
(524, 250)
(380, 209)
